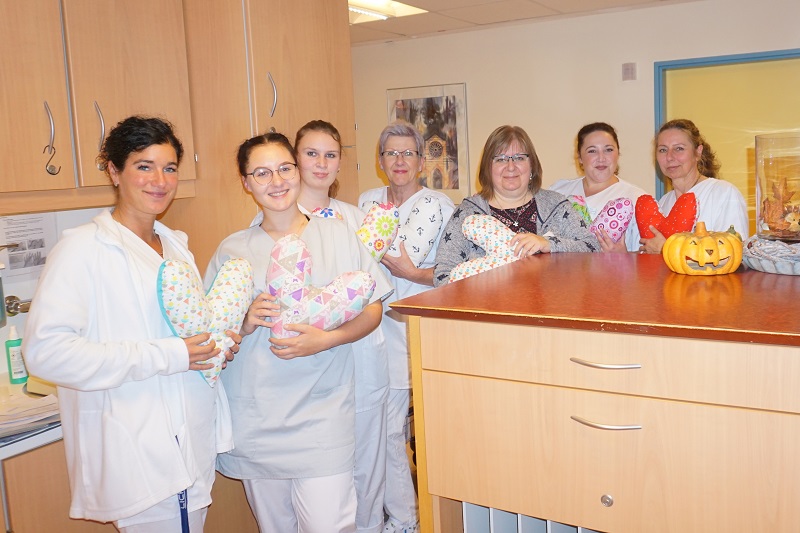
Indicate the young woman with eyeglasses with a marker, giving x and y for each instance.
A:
(402, 150)
(292, 399)
(597, 149)
(510, 177)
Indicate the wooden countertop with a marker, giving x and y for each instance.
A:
(627, 293)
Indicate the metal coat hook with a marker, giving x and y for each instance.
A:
(49, 167)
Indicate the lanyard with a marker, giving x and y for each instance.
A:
(183, 500)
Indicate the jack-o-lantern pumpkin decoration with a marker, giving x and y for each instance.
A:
(703, 253)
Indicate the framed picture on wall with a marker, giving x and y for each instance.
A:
(439, 112)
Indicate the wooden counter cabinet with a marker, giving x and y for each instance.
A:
(656, 416)
(38, 495)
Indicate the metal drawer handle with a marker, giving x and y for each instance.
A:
(603, 366)
(606, 427)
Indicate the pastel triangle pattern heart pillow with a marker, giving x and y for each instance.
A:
(328, 307)
(681, 217)
(379, 229)
(191, 311)
(419, 232)
(491, 235)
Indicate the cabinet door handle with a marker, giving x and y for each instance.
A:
(606, 427)
(274, 94)
(102, 126)
(604, 366)
(49, 147)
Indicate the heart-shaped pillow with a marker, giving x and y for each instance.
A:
(579, 204)
(379, 229)
(681, 217)
(419, 232)
(614, 218)
(327, 212)
(328, 307)
(491, 235)
(190, 311)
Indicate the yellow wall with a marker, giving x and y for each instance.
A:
(731, 104)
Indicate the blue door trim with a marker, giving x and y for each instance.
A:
(661, 68)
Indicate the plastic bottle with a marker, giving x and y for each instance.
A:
(17, 373)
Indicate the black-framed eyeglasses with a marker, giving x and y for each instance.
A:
(504, 159)
(263, 175)
(393, 154)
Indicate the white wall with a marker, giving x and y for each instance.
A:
(24, 288)
(553, 77)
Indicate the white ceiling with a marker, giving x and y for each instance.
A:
(465, 15)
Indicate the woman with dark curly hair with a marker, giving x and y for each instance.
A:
(141, 431)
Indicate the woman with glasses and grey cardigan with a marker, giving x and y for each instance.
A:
(510, 176)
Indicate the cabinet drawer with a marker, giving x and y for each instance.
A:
(726, 373)
(691, 467)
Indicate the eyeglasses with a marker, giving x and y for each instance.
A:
(407, 154)
(504, 159)
(263, 176)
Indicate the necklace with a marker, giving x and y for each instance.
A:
(512, 214)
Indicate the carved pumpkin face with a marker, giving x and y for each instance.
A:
(703, 253)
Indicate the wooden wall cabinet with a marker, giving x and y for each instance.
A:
(32, 72)
(123, 58)
(256, 65)
(126, 58)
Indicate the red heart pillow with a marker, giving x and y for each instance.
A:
(681, 218)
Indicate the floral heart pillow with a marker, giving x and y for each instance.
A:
(190, 311)
(491, 235)
(327, 212)
(579, 204)
(681, 218)
(379, 229)
(420, 230)
(328, 307)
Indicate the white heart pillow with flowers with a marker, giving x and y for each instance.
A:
(418, 233)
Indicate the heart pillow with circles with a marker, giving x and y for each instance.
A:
(491, 235)
(328, 307)
(191, 311)
(614, 218)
